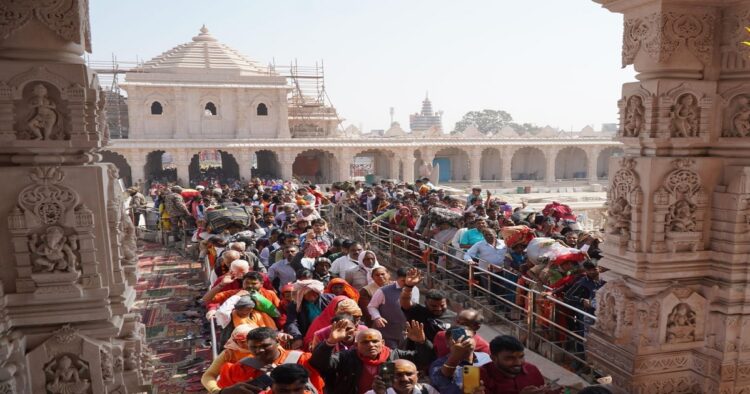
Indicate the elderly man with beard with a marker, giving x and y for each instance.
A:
(353, 371)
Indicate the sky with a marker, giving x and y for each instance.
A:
(547, 62)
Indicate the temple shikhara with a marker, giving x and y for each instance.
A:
(158, 232)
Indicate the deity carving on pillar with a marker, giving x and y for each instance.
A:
(634, 117)
(66, 376)
(54, 250)
(43, 123)
(682, 216)
(684, 117)
(738, 123)
(681, 324)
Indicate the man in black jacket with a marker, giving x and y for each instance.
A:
(353, 371)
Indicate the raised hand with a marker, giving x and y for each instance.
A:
(461, 349)
(413, 277)
(379, 322)
(415, 331)
(338, 331)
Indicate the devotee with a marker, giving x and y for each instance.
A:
(347, 262)
(353, 371)
(309, 303)
(434, 314)
(251, 282)
(321, 268)
(446, 373)
(137, 205)
(361, 276)
(509, 372)
(289, 379)
(380, 277)
(175, 207)
(472, 319)
(267, 354)
(282, 272)
(338, 287)
(405, 381)
(353, 326)
(235, 349)
(229, 281)
(385, 309)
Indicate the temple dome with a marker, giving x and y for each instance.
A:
(203, 53)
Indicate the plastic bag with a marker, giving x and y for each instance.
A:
(548, 250)
(262, 304)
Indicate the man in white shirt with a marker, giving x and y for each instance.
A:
(282, 270)
(346, 262)
(490, 251)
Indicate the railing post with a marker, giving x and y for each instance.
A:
(530, 318)
(471, 280)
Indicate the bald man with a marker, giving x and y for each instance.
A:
(471, 319)
(405, 376)
(354, 370)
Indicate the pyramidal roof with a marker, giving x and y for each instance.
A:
(203, 53)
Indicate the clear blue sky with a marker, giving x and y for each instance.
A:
(549, 62)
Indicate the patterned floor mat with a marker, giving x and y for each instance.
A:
(167, 293)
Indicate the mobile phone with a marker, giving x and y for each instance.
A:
(262, 382)
(385, 371)
(458, 333)
(471, 379)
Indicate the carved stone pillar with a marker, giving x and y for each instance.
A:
(344, 161)
(67, 272)
(506, 158)
(286, 161)
(244, 157)
(550, 155)
(182, 159)
(670, 318)
(408, 165)
(592, 155)
(475, 166)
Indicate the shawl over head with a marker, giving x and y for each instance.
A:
(360, 262)
(301, 287)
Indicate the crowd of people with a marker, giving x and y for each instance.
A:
(301, 308)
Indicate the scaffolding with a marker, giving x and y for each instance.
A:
(311, 113)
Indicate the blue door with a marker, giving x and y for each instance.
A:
(445, 168)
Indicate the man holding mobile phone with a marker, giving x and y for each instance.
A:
(404, 381)
(446, 373)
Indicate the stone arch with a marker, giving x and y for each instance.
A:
(373, 161)
(458, 161)
(602, 162)
(490, 165)
(121, 163)
(157, 169)
(267, 165)
(315, 165)
(571, 163)
(223, 167)
(528, 164)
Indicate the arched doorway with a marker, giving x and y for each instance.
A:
(528, 164)
(602, 162)
(160, 167)
(315, 165)
(490, 165)
(266, 165)
(122, 165)
(571, 163)
(211, 165)
(373, 164)
(453, 165)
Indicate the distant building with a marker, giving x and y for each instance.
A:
(427, 118)
(609, 127)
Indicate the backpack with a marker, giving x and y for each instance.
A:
(291, 358)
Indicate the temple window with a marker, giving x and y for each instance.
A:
(210, 109)
(156, 108)
(262, 110)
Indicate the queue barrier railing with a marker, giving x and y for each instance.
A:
(546, 324)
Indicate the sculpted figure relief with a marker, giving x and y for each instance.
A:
(634, 117)
(43, 117)
(54, 251)
(681, 216)
(685, 117)
(66, 378)
(620, 214)
(740, 119)
(681, 324)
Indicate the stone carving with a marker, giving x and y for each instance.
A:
(616, 311)
(739, 120)
(683, 185)
(660, 34)
(624, 200)
(67, 374)
(43, 123)
(108, 369)
(634, 117)
(47, 199)
(54, 251)
(681, 202)
(684, 117)
(681, 324)
(68, 19)
(130, 360)
(129, 241)
(681, 216)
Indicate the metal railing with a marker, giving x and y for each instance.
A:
(527, 310)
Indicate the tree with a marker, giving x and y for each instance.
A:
(487, 121)
(523, 127)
